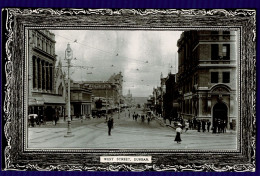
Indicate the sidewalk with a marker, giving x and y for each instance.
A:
(162, 123)
(61, 123)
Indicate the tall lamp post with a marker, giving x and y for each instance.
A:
(119, 108)
(68, 57)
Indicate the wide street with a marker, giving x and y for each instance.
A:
(126, 134)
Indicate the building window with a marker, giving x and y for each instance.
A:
(214, 32)
(226, 51)
(214, 77)
(34, 72)
(214, 35)
(226, 77)
(214, 52)
(60, 90)
(226, 35)
(38, 42)
(226, 32)
(33, 42)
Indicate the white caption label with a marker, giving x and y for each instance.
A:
(125, 159)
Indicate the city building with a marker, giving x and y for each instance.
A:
(80, 99)
(109, 92)
(129, 99)
(106, 92)
(43, 98)
(207, 76)
(60, 87)
(170, 105)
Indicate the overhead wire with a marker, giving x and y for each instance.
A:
(112, 54)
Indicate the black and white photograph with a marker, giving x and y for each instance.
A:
(123, 89)
(131, 90)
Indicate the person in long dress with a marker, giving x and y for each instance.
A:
(178, 134)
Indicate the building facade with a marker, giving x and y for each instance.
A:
(109, 92)
(80, 99)
(129, 99)
(42, 94)
(207, 76)
(170, 104)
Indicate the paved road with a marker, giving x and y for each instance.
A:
(126, 134)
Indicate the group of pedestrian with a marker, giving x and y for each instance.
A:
(142, 117)
(199, 125)
(136, 116)
(35, 119)
(219, 126)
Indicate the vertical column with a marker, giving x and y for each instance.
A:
(209, 105)
(34, 72)
(51, 77)
(48, 76)
(40, 74)
(43, 75)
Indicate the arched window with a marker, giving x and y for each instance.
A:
(60, 89)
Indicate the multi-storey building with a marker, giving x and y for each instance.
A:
(80, 99)
(207, 77)
(109, 92)
(128, 99)
(170, 105)
(42, 95)
(158, 101)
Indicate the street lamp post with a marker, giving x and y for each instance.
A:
(106, 102)
(119, 108)
(68, 57)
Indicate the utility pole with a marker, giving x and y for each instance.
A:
(106, 102)
(119, 106)
(68, 57)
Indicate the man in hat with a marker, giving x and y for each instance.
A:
(110, 123)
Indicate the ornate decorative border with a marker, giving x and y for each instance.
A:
(17, 159)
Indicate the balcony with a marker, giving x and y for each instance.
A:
(217, 63)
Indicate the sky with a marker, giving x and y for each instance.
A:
(140, 55)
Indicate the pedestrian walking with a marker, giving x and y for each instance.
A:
(110, 123)
(187, 124)
(199, 125)
(142, 118)
(203, 124)
(178, 134)
(208, 125)
(194, 123)
(224, 126)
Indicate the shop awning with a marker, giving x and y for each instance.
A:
(43, 99)
(52, 99)
(36, 101)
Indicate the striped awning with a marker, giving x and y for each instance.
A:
(53, 99)
(46, 99)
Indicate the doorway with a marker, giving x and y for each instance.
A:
(220, 111)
